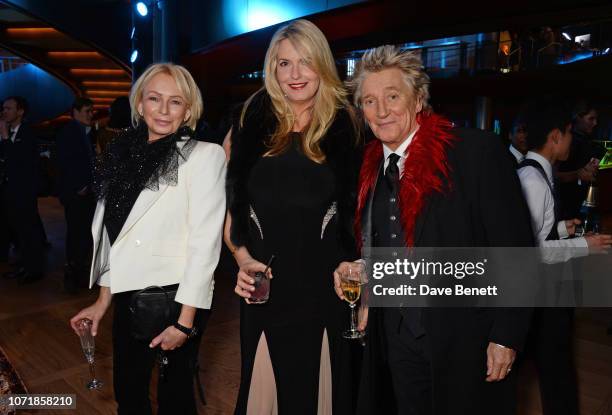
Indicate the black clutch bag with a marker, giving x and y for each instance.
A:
(153, 309)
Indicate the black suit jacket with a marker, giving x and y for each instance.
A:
(21, 165)
(75, 158)
(484, 208)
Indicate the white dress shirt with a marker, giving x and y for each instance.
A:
(517, 154)
(13, 133)
(400, 151)
(541, 205)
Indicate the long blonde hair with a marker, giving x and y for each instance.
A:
(330, 97)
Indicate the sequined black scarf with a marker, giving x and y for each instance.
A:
(131, 164)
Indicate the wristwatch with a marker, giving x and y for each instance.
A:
(190, 332)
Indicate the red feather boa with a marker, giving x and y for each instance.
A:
(425, 171)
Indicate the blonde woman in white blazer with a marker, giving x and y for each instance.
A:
(158, 222)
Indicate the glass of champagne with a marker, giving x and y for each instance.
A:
(351, 282)
(88, 345)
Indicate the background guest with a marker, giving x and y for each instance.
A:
(549, 139)
(582, 165)
(75, 158)
(518, 140)
(119, 120)
(20, 188)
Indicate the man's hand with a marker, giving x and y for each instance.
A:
(598, 243)
(342, 268)
(499, 361)
(589, 171)
(570, 225)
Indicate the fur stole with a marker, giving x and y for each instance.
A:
(426, 171)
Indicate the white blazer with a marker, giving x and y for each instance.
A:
(171, 236)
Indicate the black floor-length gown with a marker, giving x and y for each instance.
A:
(292, 217)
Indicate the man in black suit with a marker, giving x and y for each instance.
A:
(20, 188)
(75, 159)
(424, 183)
(575, 174)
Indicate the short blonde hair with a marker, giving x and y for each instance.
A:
(387, 57)
(311, 43)
(184, 82)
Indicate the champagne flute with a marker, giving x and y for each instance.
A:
(351, 282)
(88, 345)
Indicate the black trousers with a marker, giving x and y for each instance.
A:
(446, 378)
(22, 222)
(79, 211)
(133, 363)
(551, 342)
(410, 364)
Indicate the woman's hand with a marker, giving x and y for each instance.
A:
(169, 339)
(245, 283)
(94, 312)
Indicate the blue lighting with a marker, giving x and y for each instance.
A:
(607, 50)
(142, 8)
(448, 43)
(258, 19)
(133, 33)
(134, 56)
(576, 58)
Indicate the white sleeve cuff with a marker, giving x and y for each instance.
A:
(104, 279)
(562, 230)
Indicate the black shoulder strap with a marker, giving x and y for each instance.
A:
(553, 234)
(538, 167)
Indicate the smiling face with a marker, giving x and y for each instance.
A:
(390, 106)
(297, 79)
(163, 106)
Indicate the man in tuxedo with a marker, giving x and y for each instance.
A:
(424, 183)
(20, 188)
(75, 159)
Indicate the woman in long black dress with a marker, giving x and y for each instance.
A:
(291, 180)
